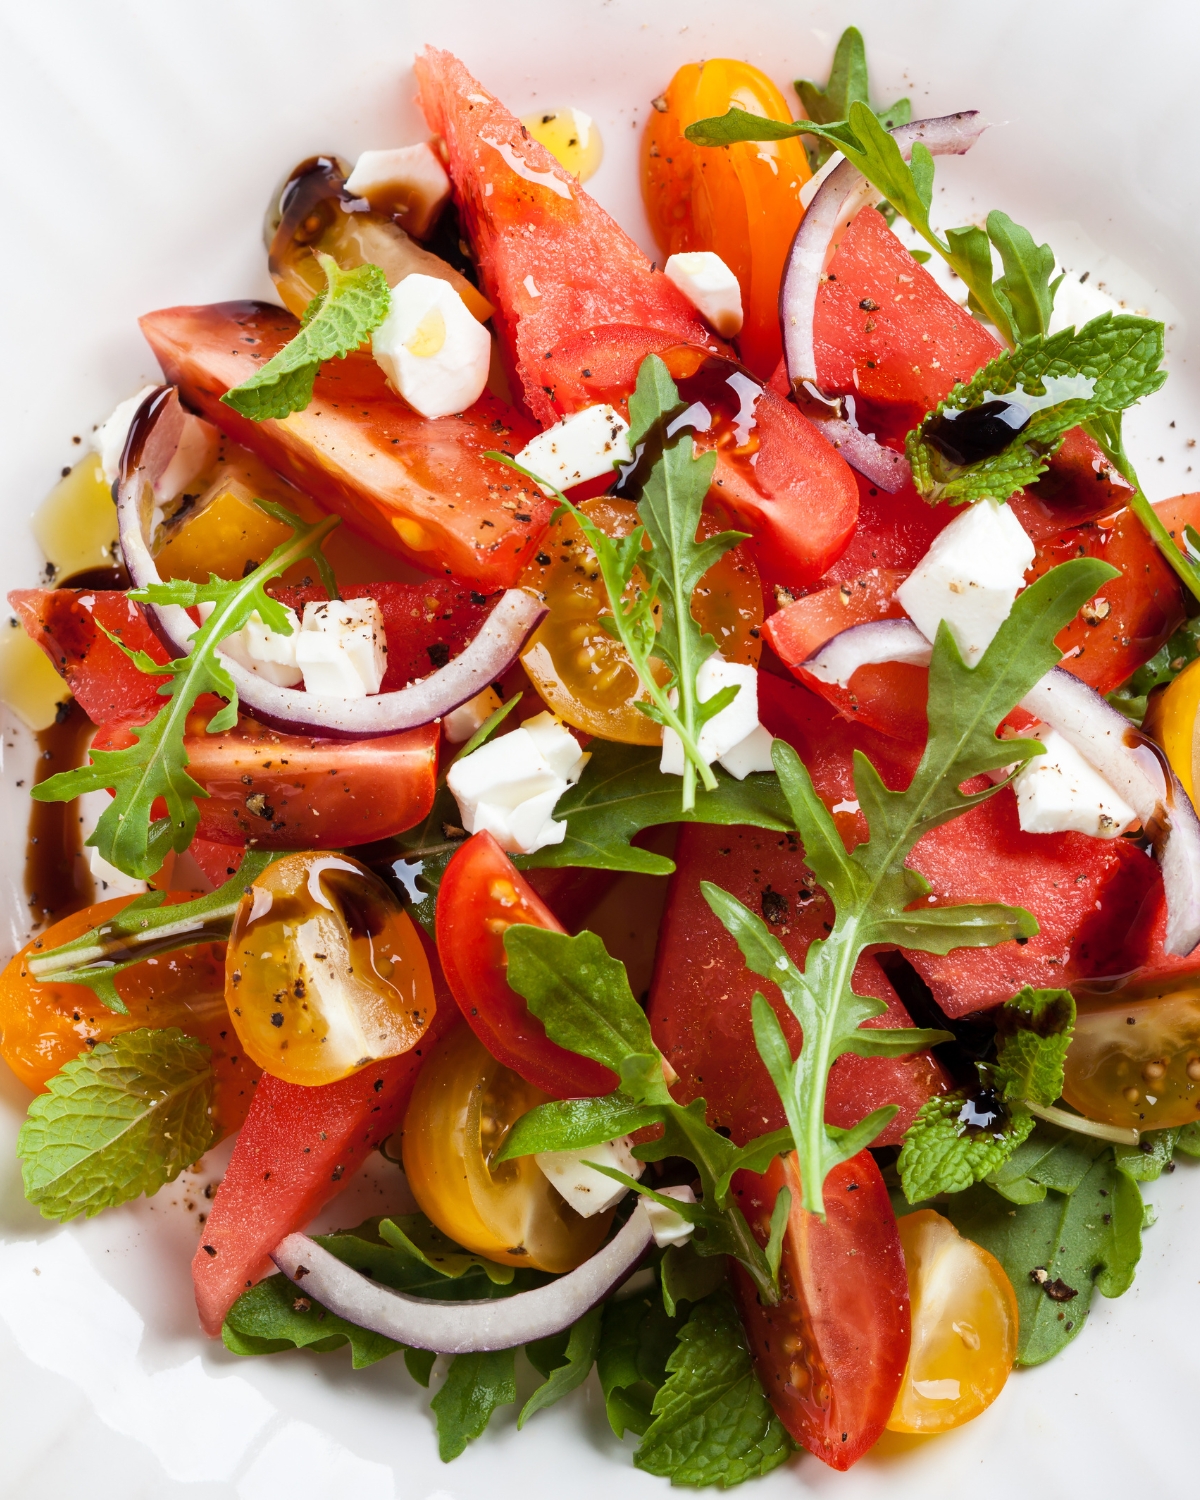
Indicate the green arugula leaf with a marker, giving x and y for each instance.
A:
(116, 1122)
(1025, 290)
(872, 887)
(1146, 1161)
(569, 1372)
(156, 764)
(1055, 1250)
(636, 1340)
(424, 1243)
(1048, 1158)
(1132, 697)
(688, 1276)
(475, 1385)
(1187, 1139)
(1062, 380)
(336, 322)
(146, 928)
(273, 1316)
(570, 1124)
(712, 1421)
(848, 84)
(411, 1255)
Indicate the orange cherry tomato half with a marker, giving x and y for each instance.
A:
(831, 1355)
(1136, 1062)
(964, 1327)
(462, 1108)
(44, 1026)
(742, 201)
(482, 894)
(325, 973)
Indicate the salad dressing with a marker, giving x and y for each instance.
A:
(57, 878)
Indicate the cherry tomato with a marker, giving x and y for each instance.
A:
(482, 894)
(579, 670)
(742, 201)
(831, 1355)
(324, 972)
(44, 1026)
(964, 1327)
(1176, 715)
(462, 1109)
(1136, 1061)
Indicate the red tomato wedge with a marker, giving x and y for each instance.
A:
(701, 994)
(552, 262)
(417, 488)
(481, 895)
(106, 684)
(801, 628)
(831, 1355)
(296, 1151)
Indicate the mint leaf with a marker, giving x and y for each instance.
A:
(475, 1385)
(873, 889)
(116, 1122)
(146, 928)
(274, 1316)
(637, 1338)
(848, 84)
(712, 1421)
(1035, 1029)
(337, 321)
(155, 765)
(1061, 380)
(570, 1124)
(569, 1372)
(943, 1153)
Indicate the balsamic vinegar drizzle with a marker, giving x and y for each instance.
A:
(968, 437)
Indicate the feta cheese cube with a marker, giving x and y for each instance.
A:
(342, 647)
(1059, 792)
(196, 450)
(435, 354)
(461, 723)
(725, 730)
(267, 653)
(583, 446)
(970, 577)
(751, 754)
(668, 1227)
(108, 440)
(409, 182)
(558, 745)
(509, 787)
(710, 286)
(587, 1191)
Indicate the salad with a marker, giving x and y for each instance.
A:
(692, 761)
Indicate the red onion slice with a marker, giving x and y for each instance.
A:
(153, 436)
(863, 645)
(839, 198)
(464, 1327)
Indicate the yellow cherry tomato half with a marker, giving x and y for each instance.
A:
(44, 1026)
(1136, 1062)
(579, 670)
(461, 1111)
(964, 1327)
(743, 201)
(1175, 718)
(324, 973)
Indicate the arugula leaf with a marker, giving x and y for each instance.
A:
(475, 1385)
(1146, 1161)
(146, 928)
(116, 1122)
(1132, 697)
(687, 1276)
(425, 1244)
(1057, 1249)
(847, 85)
(1062, 380)
(1048, 1158)
(712, 1421)
(570, 1124)
(572, 1369)
(873, 890)
(272, 1317)
(156, 764)
(636, 1340)
(335, 322)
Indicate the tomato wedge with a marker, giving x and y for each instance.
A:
(481, 895)
(831, 1355)
(417, 488)
(296, 1151)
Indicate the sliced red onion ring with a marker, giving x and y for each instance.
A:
(863, 645)
(464, 1327)
(153, 436)
(1136, 768)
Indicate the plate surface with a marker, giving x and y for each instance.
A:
(142, 141)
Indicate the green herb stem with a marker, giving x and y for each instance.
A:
(1120, 1135)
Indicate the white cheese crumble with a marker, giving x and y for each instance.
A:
(267, 653)
(970, 576)
(461, 723)
(342, 647)
(734, 737)
(409, 182)
(1059, 792)
(583, 446)
(586, 1190)
(435, 354)
(710, 286)
(668, 1227)
(510, 786)
(195, 451)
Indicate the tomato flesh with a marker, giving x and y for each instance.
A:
(482, 894)
(417, 488)
(1135, 1059)
(832, 1354)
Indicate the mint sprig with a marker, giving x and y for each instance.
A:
(848, 84)
(156, 764)
(119, 1120)
(1063, 380)
(336, 321)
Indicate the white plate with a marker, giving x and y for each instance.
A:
(141, 140)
